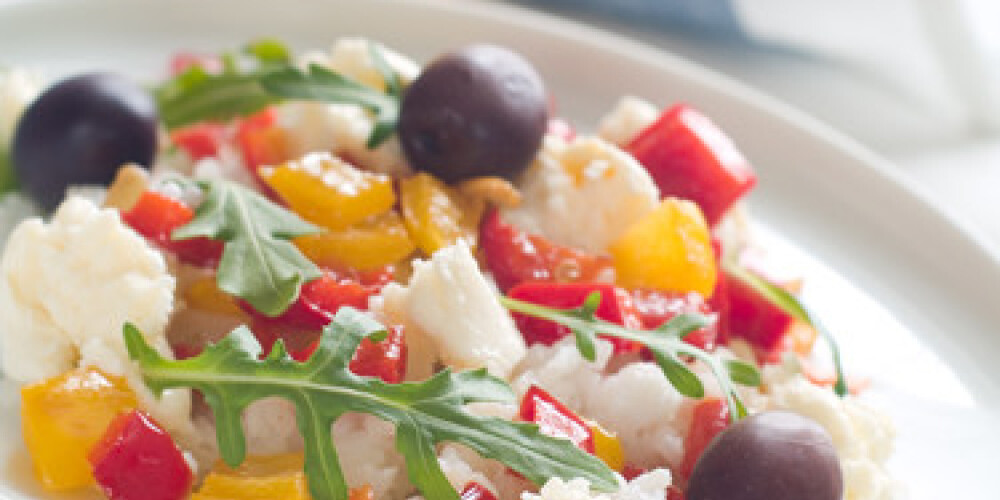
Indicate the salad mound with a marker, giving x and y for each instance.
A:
(341, 275)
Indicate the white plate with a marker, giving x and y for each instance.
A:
(928, 337)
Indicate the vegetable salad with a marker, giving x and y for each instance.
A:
(341, 275)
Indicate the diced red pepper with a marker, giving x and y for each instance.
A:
(513, 257)
(137, 460)
(630, 472)
(200, 140)
(476, 491)
(656, 307)
(711, 416)
(689, 157)
(756, 319)
(183, 61)
(156, 216)
(554, 419)
(562, 129)
(385, 360)
(674, 493)
(261, 141)
(616, 306)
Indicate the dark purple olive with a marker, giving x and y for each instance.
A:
(768, 456)
(79, 132)
(480, 111)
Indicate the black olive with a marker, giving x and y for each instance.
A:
(768, 456)
(480, 111)
(80, 131)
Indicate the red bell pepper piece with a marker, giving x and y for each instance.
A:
(261, 141)
(513, 256)
(476, 491)
(711, 416)
(674, 493)
(616, 306)
(689, 157)
(656, 307)
(751, 316)
(385, 360)
(155, 217)
(554, 419)
(183, 61)
(200, 140)
(137, 460)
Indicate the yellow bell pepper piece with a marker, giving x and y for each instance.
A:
(437, 215)
(329, 192)
(63, 417)
(669, 249)
(607, 447)
(370, 245)
(271, 477)
(204, 294)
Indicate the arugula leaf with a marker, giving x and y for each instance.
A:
(8, 181)
(794, 307)
(196, 96)
(321, 84)
(269, 51)
(427, 413)
(258, 264)
(666, 343)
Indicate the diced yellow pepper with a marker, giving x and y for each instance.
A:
(437, 215)
(204, 294)
(329, 192)
(271, 477)
(372, 244)
(607, 447)
(669, 249)
(63, 417)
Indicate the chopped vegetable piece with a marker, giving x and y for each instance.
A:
(689, 157)
(63, 417)
(755, 318)
(156, 216)
(261, 141)
(554, 419)
(385, 359)
(476, 491)
(513, 257)
(183, 61)
(200, 140)
(137, 460)
(435, 214)
(268, 477)
(656, 308)
(607, 447)
(616, 307)
(372, 244)
(710, 417)
(674, 493)
(670, 249)
(204, 294)
(327, 191)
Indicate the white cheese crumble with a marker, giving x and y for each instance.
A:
(649, 486)
(450, 308)
(66, 289)
(584, 194)
(862, 436)
(629, 117)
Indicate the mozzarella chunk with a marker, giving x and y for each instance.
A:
(584, 194)
(343, 129)
(629, 117)
(66, 289)
(649, 486)
(450, 309)
(862, 436)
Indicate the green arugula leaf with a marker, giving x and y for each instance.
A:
(427, 413)
(8, 181)
(196, 96)
(666, 343)
(321, 84)
(258, 264)
(797, 309)
(269, 51)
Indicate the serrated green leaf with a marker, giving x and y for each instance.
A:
(743, 373)
(259, 263)
(798, 310)
(196, 96)
(425, 414)
(321, 84)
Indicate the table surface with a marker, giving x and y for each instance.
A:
(959, 168)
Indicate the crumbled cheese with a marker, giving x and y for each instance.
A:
(862, 436)
(649, 486)
(18, 87)
(584, 194)
(449, 307)
(629, 117)
(344, 129)
(66, 289)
